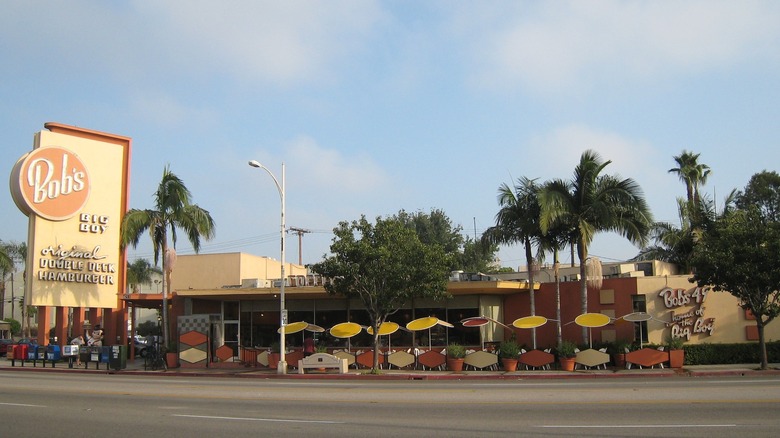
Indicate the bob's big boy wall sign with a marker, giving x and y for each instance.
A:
(73, 186)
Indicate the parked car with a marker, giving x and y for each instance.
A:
(4, 344)
(140, 349)
(27, 341)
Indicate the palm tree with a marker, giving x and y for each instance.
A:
(692, 174)
(593, 203)
(6, 267)
(675, 244)
(140, 272)
(173, 210)
(518, 222)
(553, 241)
(18, 252)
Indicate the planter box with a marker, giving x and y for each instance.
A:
(567, 363)
(676, 358)
(455, 365)
(509, 365)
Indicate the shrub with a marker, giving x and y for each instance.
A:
(567, 349)
(509, 350)
(456, 351)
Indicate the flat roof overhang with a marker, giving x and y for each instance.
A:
(455, 288)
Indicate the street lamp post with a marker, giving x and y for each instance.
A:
(282, 368)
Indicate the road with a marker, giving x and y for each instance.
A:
(40, 404)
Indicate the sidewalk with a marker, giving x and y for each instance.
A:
(136, 367)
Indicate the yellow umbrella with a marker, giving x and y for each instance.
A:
(345, 330)
(422, 323)
(387, 328)
(425, 324)
(530, 322)
(591, 320)
(293, 327)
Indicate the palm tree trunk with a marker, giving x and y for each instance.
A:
(556, 266)
(530, 259)
(583, 254)
(166, 290)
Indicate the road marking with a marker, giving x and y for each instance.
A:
(275, 420)
(635, 426)
(22, 405)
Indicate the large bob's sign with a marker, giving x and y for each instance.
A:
(73, 186)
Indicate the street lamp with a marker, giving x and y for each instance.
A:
(282, 368)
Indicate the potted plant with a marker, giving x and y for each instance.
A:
(172, 355)
(676, 352)
(509, 351)
(455, 355)
(618, 351)
(273, 355)
(567, 354)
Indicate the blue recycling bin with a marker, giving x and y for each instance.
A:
(53, 353)
(31, 352)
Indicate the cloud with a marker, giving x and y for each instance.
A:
(557, 46)
(165, 110)
(637, 159)
(328, 170)
(258, 41)
(279, 42)
(628, 156)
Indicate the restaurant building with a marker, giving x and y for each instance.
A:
(232, 300)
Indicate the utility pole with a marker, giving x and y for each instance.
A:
(300, 232)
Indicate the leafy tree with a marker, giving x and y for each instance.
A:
(518, 222)
(147, 328)
(592, 202)
(16, 326)
(739, 253)
(140, 272)
(478, 256)
(385, 265)
(435, 228)
(173, 209)
(763, 191)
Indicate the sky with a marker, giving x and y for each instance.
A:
(378, 106)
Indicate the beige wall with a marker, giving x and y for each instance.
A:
(214, 271)
(719, 309)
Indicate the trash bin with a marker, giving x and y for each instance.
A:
(118, 357)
